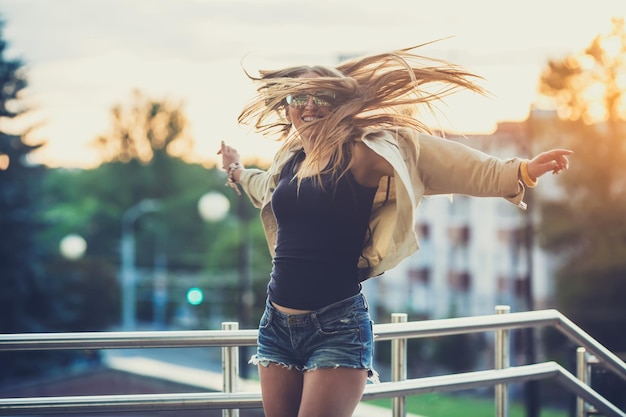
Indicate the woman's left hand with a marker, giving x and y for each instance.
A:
(554, 160)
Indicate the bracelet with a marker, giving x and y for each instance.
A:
(528, 181)
(231, 171)
(232, 182)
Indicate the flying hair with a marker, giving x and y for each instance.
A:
(381, 91)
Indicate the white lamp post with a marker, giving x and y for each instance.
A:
(127, 262)
(214, 207)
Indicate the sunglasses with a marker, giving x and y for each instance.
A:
(320, 99)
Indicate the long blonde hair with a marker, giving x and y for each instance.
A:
(375, 92)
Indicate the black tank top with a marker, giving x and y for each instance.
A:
(321, 231)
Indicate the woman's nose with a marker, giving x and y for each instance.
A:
(310, 101)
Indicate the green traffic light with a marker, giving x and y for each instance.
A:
(195, 296)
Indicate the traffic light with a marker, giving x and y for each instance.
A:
(195, 296)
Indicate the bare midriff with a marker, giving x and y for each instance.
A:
(288, 310)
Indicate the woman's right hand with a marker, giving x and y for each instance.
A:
(231, 164)
(229, 155)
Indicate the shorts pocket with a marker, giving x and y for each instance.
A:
(266, 319)
(337, 325)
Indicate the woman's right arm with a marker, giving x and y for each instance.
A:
(255, 182)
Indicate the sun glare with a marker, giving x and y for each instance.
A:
(203, 67)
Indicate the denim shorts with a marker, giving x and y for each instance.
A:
(336, 336)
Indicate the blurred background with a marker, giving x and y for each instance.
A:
(113, 209)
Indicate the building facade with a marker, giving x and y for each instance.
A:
(475, 253)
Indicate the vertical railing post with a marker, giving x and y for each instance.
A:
(502, 361)
(230, 368)
(398, 366)
(583, 375)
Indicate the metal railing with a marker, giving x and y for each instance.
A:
(399, 331)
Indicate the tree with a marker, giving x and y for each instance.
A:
(88, 285)
(142, 154)
(91, 203)
(144, 130)
(28, 299)
(587, 229)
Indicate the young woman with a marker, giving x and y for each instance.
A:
(338, 204)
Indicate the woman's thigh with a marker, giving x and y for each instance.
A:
(332, 392)
(281, 389)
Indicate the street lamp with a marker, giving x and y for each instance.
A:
(127, 262)
(72, 247)
(245, 278)
(213, 206)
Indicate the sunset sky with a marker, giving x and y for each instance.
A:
(83, 57)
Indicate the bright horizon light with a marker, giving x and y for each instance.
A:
(82, 58)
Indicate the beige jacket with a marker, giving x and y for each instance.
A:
(423, 165)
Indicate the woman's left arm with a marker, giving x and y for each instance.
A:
(450, 167)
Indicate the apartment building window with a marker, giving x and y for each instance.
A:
(520, 287)
(513, 237)
(459, 235)
(420, 295)
(460, 280)
(423, 230)
(502, 284)
(420, 276)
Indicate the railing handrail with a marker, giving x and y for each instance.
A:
(128, 340)
(388, 331)
(235, 338)
(240, 400)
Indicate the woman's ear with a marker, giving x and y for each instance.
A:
(287, 115)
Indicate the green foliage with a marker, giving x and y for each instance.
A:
(42, 291)
(446, 405)
(91, 203)
(142, 166)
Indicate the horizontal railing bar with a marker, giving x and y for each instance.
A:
(461, 381)
(129, 403)
(446, 327)
(469, 380)
(222, 338)
(128, 340)
(153, 402)
(474, 324)
(390, 331)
